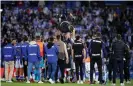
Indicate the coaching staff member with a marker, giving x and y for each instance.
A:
(79, 54)
(62, 58)
(119, 49)
(95, 48)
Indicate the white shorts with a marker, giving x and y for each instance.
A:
(73, 66)
(18, 64)
(87, 70)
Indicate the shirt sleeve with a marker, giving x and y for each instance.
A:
(38, 53)
(56, 49)
(104, 50)
(26, 57)
(89, 48)
(66, 53)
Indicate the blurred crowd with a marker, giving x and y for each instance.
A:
(24, 19)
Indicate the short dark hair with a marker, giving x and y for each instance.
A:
(8, 40)
(78, 37)
(38, 37)
(58, 37)
(19, 40)
(25, 38)
(98, 34)
(51, 39)
(32, 38)
(119, 37)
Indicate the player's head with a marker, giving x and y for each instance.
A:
(51, 39)
(19, 40)
(8, 40)
(118, 37)
(38, 38)
(25, 38)
(58, 37)
(32, 38)
(78, 38)
(98, 35)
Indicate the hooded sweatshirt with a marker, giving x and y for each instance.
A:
(8, 52)
(33, 52)
(51, 51)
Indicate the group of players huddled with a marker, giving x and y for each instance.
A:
(64, 54)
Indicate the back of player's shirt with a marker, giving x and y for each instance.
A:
(41, 46)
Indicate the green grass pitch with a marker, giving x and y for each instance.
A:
(58, 84)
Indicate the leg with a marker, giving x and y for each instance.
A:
(62, 68)
(121, 66)
(11, 64)
(125, 71)
(30, 65)
(110, 70)
(99, 64)
(128, 72)
(6, 70)
(77, 69)
(81, 70)
(92, 62)
(41, 65)
(56, 73)
(37, 70)
(54, 66)
(49, 70)
(25, 70)
(21, 69)
(114, 71)
(17, 68)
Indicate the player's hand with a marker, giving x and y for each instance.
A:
(84, 60)
(25, 62)
(45, 60)
(67, 61)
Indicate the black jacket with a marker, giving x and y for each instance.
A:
(119, 49)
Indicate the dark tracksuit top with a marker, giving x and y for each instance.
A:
(24, 50)
(18, 51)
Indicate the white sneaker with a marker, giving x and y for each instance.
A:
(40, 82)
(81, 82)
(113, 84)
(9, 81)
(28, 82)
(128, 82)
(97, 82)
(122, 84)
(78, 82)
(58, 80)
(51, 81)
(3, 79)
